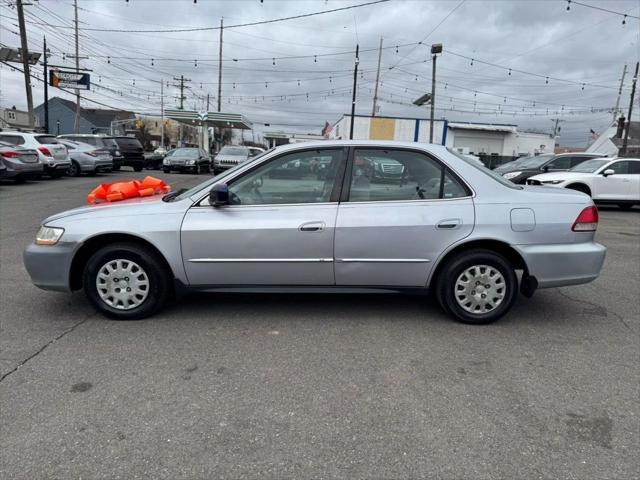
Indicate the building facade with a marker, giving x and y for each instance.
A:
(482, 139)
(14, 119)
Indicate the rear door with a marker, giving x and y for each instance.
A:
(617, 186)
(276, 231)
(400, 209)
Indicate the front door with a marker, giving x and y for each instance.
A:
(400, 210)
(617, 186)
(277, 230)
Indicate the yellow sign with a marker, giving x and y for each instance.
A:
(382, 129)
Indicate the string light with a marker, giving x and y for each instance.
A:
(624, 19)
(315, 59)
(509, 72)
(274, 60)
(568, 5)
(472, 62)
(152, 62)
(195, 63)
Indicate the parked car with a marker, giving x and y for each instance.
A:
(86, 158)
(605, 180)
(51, 153)
(450, 226)
(102, 142)
(19, 164)
(160, 151)
(519, 170)
(131, 151)
(187, 159)
(232, 155)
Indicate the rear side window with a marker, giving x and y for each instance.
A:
(396, 175)
(128, 143)
(620, 167)
(560, 163)
(46, 139)
(12, 139)
(634, 167)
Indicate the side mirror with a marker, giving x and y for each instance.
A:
(219, 195)
(608, 171)
(545, 168)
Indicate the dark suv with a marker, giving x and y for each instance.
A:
(519, 170)
(131, 151)
(102, 142)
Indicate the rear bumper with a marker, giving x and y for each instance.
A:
(563, 264)
(57, 168)
(49, 266)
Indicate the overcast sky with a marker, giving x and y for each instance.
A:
(583, 45)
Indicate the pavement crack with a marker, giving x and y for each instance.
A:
(44, 347)
(595, 305)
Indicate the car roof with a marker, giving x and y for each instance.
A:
(580, 154)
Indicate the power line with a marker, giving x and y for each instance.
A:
(602, 9)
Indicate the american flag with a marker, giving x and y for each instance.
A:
(594, 135)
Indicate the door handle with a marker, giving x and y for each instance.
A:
(449, 224)
(312, 227)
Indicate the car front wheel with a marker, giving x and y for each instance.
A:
(126, 282)
(477, 287)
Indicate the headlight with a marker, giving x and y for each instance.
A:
(48, 235)
(191, 162)
(552, 182)
(166, 161)
(511, 175)
(117, 153)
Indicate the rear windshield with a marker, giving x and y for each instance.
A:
(234, 151)
(496, 176)
(108, 142)
(126, 142)
(46, 139)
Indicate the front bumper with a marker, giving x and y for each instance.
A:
(563, 264)
(49, 266)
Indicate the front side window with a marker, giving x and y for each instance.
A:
(619, 167)
(590, 166)
(300, 177)
(388, 175)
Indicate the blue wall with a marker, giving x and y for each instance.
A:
(60, 112)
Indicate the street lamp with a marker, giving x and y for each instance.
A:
(436, 48)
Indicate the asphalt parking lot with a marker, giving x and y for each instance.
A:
(316, 386)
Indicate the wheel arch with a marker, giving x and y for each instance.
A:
(497, 246)
(580, 187)
(91, 245)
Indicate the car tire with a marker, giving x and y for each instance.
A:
(138, 168)
(166, 170)
(126, 259)
(196, 169)
(116, 168)
(456, 281)
(74, 169)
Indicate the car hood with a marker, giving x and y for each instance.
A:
(562, 176)
(132, 206)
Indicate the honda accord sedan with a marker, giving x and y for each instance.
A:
(446, 225)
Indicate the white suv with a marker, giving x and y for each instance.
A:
(52, 154)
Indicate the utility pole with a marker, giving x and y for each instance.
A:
(207, 102)
(353, 96)
(46, 87)
(633, 93)
(76, 125)
(220, 67)
(375, 91)
(182, 97)
(615, 110)
(161, 113)
(24, 54)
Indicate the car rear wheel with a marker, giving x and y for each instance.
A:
(74, 169)
(126, 282)
(477, 287)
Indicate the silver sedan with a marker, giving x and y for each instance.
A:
(315, 217)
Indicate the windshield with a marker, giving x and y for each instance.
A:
(533, 162)
(185, 152)
(496, 176)
(590, 166)
(234, 151)
(211, 181)
(46, 139)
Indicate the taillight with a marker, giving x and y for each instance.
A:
(45, 151)
(10, 154)
(587, 221)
